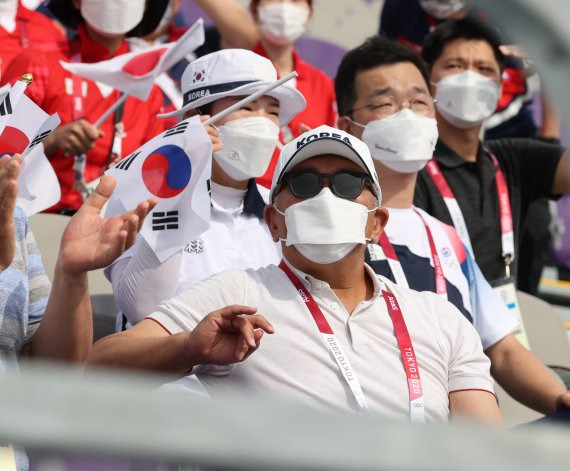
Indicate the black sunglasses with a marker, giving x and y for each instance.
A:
(308, 183)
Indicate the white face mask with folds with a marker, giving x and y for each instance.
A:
(467, 99)
(248, 146)
(282, 23)
(112, 17)
(325, 228)
(404, 142)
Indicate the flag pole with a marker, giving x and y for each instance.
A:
(111, 110)
(249, 99)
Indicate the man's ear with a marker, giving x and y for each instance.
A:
(380, 221)
(269, 214)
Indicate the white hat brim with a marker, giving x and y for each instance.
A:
(291, 101)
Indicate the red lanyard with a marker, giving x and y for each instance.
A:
(396, 266)
(417, 413)
(507, 235)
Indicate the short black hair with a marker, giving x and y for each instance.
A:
(470, 28)
(375, 51)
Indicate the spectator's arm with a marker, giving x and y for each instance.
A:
(525, 377)
(234, 23)
(480, 406)
(561, 182)
(88, 242)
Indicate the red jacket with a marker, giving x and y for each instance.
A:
(33, 30)
(318, 90)
(52, 90)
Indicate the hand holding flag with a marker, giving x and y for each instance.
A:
(175, 167)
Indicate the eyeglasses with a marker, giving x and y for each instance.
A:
(386, 105)
(308, 183)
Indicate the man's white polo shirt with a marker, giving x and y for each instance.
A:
(295, 363)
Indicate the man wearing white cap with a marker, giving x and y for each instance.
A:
(237, 237)
(342, 337)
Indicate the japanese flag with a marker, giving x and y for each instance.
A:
(174, 167)
(134, 73)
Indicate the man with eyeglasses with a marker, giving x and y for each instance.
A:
(342, 338)
(383, 97)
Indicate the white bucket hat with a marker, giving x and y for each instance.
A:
(234, 72)
(325, 140)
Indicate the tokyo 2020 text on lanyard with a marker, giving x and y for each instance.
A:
(417, 408)
(507, 235)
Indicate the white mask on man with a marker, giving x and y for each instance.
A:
(248, 146)
(112, 17)
(404, 141)
(325, 228)
(467, 99)
(282, 23)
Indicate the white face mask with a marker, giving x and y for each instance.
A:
(404, 142)
(8, 10)
(325, 228)
(112, 17)
(282, 23)
(442, 8)
(248, 146)
(466, 99)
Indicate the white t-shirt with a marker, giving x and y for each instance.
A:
(295, 362)
(467, 288)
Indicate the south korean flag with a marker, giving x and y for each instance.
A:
(174, 167)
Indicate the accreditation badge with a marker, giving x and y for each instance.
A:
(7, 459)
(508, 293)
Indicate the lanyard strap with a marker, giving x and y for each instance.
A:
(396, 266)
(507, 234)
(506, 218)
(417, 413)
(440, 182)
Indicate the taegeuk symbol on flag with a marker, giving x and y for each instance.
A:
(135, 72)
(174, 167)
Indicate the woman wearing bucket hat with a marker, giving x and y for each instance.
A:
(102, 26)
(238, 237)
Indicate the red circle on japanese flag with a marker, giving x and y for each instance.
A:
(166, 171)
(144, 63)
(12, 141)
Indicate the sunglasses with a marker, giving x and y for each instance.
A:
(308, 183)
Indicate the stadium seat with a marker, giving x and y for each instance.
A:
(548, 341)
(104, 315)
(545, 330)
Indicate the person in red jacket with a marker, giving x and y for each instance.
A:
(21, 28)
(280, 24)
(102, 26)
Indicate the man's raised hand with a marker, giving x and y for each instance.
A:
(90, 241)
